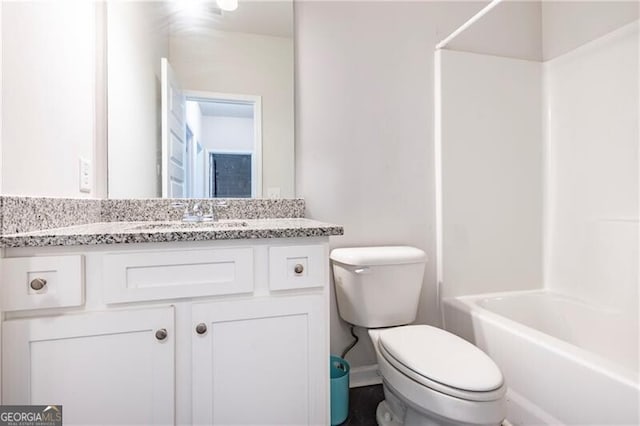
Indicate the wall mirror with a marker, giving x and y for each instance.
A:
(200, 99)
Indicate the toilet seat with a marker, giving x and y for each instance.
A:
(442, 361)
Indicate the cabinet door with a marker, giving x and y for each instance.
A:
(104, 367)
(260, 361)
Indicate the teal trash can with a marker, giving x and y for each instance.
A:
(339, 390)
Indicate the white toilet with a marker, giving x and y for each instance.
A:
(430, 376)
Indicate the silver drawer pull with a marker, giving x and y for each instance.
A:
(298, 269)
(201, 328)
(161, 334)
(38, 283)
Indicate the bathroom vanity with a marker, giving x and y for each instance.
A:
(161, 323)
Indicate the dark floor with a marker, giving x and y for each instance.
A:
(363, 402)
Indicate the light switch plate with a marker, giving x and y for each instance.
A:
(85, 175)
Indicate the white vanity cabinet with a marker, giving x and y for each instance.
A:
(217, 332)
(103, 367)
(254, 362)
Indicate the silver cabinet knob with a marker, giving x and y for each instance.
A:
(38, 283)
(298, 269)
(161, 334)
(201, 328)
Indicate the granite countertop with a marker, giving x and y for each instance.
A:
(153, 232)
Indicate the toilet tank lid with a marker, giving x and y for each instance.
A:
(384, 255)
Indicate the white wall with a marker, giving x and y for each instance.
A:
(567, 25)
(512, 29)
(1, 114)
(592, 189)
(227, 133)
(137, 37)
(249, 64)
(48, 96)
(542, 30)
(1, 192)
(491, 150)
(364, 146)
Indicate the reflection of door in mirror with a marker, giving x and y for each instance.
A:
(175, 154)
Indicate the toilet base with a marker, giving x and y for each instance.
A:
(393, 411)
(386, 417)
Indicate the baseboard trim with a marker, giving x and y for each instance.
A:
(365, 375)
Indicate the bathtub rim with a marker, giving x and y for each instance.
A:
(469, 304)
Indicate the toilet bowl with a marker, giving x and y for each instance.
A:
(430, 376)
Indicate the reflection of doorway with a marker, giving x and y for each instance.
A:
(188, 135)
(230, 175)
(228, 128)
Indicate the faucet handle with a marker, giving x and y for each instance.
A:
(210, 216)
(216, 204)
(197, 209)
(180, 205)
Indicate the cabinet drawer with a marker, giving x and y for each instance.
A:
(60, 278)
(140, 276)
(294, 267)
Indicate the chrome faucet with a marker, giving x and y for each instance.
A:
(196, 212)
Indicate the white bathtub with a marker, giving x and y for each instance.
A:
(565, 362)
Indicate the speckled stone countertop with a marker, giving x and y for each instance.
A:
(25, 214)
(154, 232)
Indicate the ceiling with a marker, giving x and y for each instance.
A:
(271, 18)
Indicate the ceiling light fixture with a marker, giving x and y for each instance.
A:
(227, 5)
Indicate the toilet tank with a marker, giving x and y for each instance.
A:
(378, 286)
